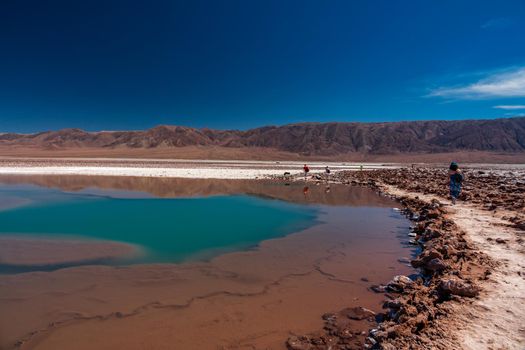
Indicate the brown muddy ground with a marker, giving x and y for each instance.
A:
(244, 300)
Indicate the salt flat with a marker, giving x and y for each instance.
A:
(203, 169)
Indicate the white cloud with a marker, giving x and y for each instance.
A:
(497, 85)
(510, 107)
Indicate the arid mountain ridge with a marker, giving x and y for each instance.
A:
(322, 139)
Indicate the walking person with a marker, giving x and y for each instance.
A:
(306, 171)
(455, 181)
(327, 172)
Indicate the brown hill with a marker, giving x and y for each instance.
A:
(306, 139)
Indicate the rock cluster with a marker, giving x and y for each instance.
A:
(345, 329)
(450, 269)
(492, 190)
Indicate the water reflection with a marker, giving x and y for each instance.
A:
(298, 192)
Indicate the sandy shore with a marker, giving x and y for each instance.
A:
(34, 251)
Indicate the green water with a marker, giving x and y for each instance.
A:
(168, 230)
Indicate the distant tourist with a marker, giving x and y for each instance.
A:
(455, 180)
(306, 170)
(327, 172)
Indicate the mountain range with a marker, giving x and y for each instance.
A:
(304, 139)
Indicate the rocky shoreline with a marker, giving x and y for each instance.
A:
(418, 312)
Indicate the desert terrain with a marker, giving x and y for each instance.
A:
(468, 293)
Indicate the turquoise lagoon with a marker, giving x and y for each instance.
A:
(166, 229)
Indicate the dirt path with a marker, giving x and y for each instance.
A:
(496, 319)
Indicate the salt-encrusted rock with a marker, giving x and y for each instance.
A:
(458, 287)
(378, 288)
(425, 257)
(393, 304)
(404, 280)
(398, 284)
(436, 265)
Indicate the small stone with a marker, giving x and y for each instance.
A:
(378, 288)
(392, 331)
(404, 280)
(298, 343)
(358, 313)
(458, 287)
(393, 304)
(372, 340)
(436, 265)
(399, 283)
(345, 333)
(329, 317)
(381, 335)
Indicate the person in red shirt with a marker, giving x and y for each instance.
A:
(306, 170)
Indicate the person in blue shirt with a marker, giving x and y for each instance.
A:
(455, 181)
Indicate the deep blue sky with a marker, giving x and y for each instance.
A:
(110, 65)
